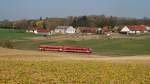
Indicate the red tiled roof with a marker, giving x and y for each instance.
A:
(31, 28)
(105, 29)
(137, 28)
(148, 25)
(88, 28)
(43, 30)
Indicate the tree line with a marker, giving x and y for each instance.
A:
(75, 21)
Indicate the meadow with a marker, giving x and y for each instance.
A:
(104, 46)
(12, 34)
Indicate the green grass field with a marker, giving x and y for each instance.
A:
(6, 34)
(112, 47)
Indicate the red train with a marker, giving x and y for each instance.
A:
(64, 49)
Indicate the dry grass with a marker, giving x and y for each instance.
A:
(33, 67)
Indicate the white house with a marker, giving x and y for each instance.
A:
(30, 30)
(65, 29)
(125, 29)
(136, 29)
(147, 28)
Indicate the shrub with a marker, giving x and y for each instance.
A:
(7, 44)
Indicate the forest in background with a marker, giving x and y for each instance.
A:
(75, 21)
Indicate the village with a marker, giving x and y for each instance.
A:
(84, 31)
(128, 30)
(43, 26)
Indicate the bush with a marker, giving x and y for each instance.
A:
(7, 44)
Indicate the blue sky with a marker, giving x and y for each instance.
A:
(26, 9)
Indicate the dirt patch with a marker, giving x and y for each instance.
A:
(75, 37)
(78, 37)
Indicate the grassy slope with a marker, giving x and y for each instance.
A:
(103, 46)
(113, 46)
(13, 35)
(17, 38)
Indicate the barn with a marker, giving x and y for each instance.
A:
(40, 31)
(87, 29)
(43, 32)
(136, 29)
(147, 28)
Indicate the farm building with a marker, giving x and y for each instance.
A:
(43, 32)
(102, 30)
(40, 31)
(93, 30)
(105, 29)
(65, 29)
(147, 28)
(99, 31)
(116, 29)
(30, 30)
(87, 29)
(125, 30)
(137, 29)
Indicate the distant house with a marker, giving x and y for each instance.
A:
(136, 29)
(99, 31)
(147, 28)
(125, 30)
(87, 29)
(30, 30)
(116, 29)
(105, 29)
(43, 32)
(39, 31)
(65, 29)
